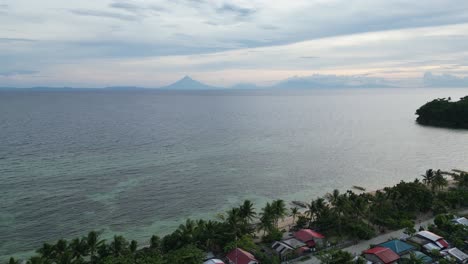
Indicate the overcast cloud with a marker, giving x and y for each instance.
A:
(151, 43)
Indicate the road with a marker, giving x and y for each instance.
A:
(363, 245)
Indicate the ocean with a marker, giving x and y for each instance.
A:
(139, 163)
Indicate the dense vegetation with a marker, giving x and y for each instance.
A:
(444, 113)
(340, 216)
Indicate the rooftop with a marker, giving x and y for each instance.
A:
(398, 246)
(384, 254)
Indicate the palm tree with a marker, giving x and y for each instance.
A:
(38, 260)
(247, 211)
(60, 249)
(279, 210)
(186, 231)
(438, 181)
(212, 236)
(78, 248)
(461, 179)
(333, 197)
(133, 248)
(428, 177)
(235, 222)
(266, 219)
(294, 213)
(93, 243)
(13, 261)
(118, 246)
(340, 205)
(155, 242)
(47, 251)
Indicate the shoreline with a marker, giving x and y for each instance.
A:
(283, 224)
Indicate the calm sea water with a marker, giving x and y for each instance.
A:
(138, 163)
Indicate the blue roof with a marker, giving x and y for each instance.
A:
(398, 246)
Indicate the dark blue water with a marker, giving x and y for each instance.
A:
(138, 163)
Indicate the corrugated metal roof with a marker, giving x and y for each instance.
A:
(384, 254)
(429, 235)
(397, 246)
(305, 235)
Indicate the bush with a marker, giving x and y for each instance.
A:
(360, 230)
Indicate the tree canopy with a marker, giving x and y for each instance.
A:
(444, 113)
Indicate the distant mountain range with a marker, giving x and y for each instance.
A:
(309, 82)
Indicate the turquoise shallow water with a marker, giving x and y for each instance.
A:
(138, 163)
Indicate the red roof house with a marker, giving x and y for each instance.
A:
(240, 256)
(308, 236)
(381, 255)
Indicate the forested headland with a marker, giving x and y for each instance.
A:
(444, 112)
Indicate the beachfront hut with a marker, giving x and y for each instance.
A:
(240, 256)
(398, 246)
(433, 238)
(381, 255)
(310, 237)
(455, 253)
(460, 221)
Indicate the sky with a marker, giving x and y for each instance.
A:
(150, 43)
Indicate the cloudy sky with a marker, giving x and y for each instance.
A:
(95, 43)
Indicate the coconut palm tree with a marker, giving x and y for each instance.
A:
(212, 236)
(60, 249)
(133, 247)
(38, 260)
(438, 181)
(79, 248)
(13, 261)
(294, 213)
(279, 210)
(186, 231)
(333, 197)
(428, 177)
(266, 219)
(461, 179)
(247, 211)
(93, 243)
(118, 246)
(47, 251)
(155, 242)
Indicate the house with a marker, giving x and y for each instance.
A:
(431, 237)
(398, 246)
(310, 237)
(426, 245)
(289, 246)
(381, 255)
(460, 221)
(214, 261)
(240, 256)
(455, 253)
